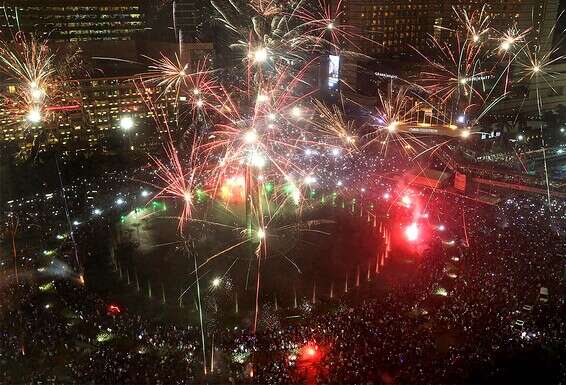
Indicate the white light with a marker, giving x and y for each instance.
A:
(120, 201)
(392, 127)
(520, 137)
(386, 196)
(260, 55)
(560, 151)
(330, 26)
(257, 160)
(187, 196)
(476, 38)
(465, 134)
(463, 81)
(36, 94)
(412, 232)
(250, 137)
(296, 112)
(76, 223)
(97, 211)
(272, 116)
(261, 233)
(536, 69)
(199, 103)
(363, 189)
(262, 98)
(336, 151)
(145, 193)
(461, 119)
(308, 152)
(340, 183)
(441, 228)
(127, 123)
(505, 45)
(216, 282)
(310, 179)
(196, 91)
(34, 116)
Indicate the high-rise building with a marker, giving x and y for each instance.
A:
(187, 17)
(394, 29)
(75, 20)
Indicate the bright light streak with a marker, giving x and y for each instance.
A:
(296, 112)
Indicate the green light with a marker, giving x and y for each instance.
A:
(48, 253)
(268, 187)
(49, 286)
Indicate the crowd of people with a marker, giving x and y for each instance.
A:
(453, 318)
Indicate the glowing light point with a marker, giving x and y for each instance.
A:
(216, 282)
(412, 232)
(261, 233)
(250, 137)
(392, 127)
(36, 93)
(386, 196)
(196, 91)
(145, 193)
(336, 151)
(260, 55)
(340, 183)
(330, 26)
(199, 103)
(463, 81)
(126, 123)
(461, 119)
(441, 228)
(310, 179)
(406, 200)
(520, 138)
(536, 69)
(120, 201)
(465, 134)
(476, 38)
(296, 112)
(34, 116)
(262, 98)
(272, 116)
(97, 211)
(505, 45)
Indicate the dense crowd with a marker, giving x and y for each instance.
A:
(451, 319)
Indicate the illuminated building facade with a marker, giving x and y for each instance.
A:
(75, 20)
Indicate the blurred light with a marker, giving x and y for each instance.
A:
(199, 103)
(262, 98)
(441, 228)
(336, 151)
(76, 223)
(97, 211)
(386, 195)
(476, 38)
(412, 232)
(145, 193)
(340, 183)
(120, 201)
(261, 233)
(330, 26)
(196, 91)
(505, 45)
(310, 179)
(34, 116)
(296, 112)
(406, 200)
(520, 137)
(272, 116)
(461, 119)
(465, 134)
(126, 123)
(260, 55)
(392, 127)
(250, 137)
(216, 282)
